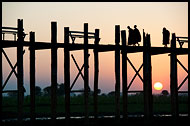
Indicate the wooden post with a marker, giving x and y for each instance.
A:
(86, 74)
(147, 75)
(32, 77)
(189, 80)
(67, 74)
(173, 78)
(96, 71)
(20, 80)
(117, 73)
(124, 74)
(1, 83)
(53, 70)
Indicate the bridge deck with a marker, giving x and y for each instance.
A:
(100, 47)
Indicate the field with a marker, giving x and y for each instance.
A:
(106, 105)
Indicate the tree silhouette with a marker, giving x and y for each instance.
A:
(165, 93)
(47, 91)
(38, 91)
(12, 94)
(112, 93)
(61, 89)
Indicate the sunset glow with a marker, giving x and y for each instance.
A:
(158, 86)
(150, 16)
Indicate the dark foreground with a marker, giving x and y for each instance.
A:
(134, 121)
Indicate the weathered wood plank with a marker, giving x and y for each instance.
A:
(117, 73)
(124, 74)
(173, 79)
(32, 77)
(96, 73)
(53, 70)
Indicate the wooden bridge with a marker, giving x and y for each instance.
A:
(119, 49)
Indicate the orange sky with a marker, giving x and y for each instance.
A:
(151, 16)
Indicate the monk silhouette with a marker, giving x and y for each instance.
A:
(131, 36)
(166, 37)
(137, 35)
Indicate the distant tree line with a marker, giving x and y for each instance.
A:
(61, 91)
(44, 92)
(47, 90)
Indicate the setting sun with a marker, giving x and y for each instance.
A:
(158, 86)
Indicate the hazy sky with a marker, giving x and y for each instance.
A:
(150, 16)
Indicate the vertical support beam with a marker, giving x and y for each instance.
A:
(173, 78)
(189, 80)
(117, 74)
(32, 77)
(53, 70)
(96, 73)
(67, 74)
(147, 75)
(1, 83)
(86, 74)
(124, 74)
(20, 80)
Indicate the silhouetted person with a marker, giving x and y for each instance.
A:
(131, 36)
(137, 35)
(166, 36)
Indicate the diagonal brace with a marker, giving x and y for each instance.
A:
(135, 77)
(73, 38)
(77, 66)
(8, 60)
(9, 76)
(182, 66)
(13, 69)
(182, 82)
(77, 77)
(79, 73)
(137, 72)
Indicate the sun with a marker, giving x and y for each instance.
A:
(158, 86)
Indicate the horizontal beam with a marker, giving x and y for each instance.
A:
(182, 37)
(182, 91)
(164, 50)
(10, 28)
(77, 91)
(10, 32)
(6, 91)
(186, 41)
(80, 32)
(135, 91)
(99, 48)
(82, 36)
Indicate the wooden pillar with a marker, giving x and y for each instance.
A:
(117, 73)
(124, 74)
(189, 80)
(1, 83)
(173, 78)
(147, 75)
(53, 70)
(32, 77)
(96, 73)
(67, 74)
(20, 80)
(86, 73)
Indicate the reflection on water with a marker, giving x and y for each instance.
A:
(81, 117)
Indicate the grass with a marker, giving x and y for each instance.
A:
(106, 105)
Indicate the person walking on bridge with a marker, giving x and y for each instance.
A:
(137, 35)
(131, 36)
(166, 37)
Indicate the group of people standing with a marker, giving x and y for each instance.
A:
(134, 36)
